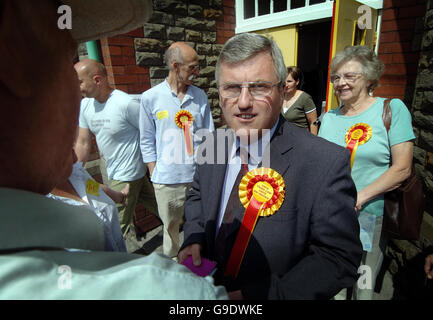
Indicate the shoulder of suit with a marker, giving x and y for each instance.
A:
(309, 143)
(324, 149)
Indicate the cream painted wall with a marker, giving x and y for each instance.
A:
(287, 39)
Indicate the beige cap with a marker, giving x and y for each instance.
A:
(95, 19)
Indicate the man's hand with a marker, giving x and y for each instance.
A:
(360, 201)
(117, 196)
(125, 193)
(191, 250)
(428, 267)
(151, 167)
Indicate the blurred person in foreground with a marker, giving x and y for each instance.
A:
(357, 125)
(50, 250)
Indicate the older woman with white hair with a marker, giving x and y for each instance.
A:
(380, 160)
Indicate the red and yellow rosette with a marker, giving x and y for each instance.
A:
(261, 192)
(184, 120)
(357, 135)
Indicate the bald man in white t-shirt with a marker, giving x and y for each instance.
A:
(112, 116)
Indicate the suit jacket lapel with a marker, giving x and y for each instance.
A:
(281, 145)
(216, 182)
(215, 189)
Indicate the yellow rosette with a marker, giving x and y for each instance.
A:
(184, 120)
(357, 135)
(261, 192)
(267, 186)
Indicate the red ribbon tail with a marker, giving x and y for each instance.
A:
(352, 145)
(188, 138)
(243, 237)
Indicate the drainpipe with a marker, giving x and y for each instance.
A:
(379, 25)
(92, 50)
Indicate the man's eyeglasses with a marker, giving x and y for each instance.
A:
(259, 89)
(350, 77)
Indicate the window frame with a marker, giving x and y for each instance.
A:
(291, 16)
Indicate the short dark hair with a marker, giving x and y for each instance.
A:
(296, 74)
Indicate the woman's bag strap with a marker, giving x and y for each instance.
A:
(387, 115)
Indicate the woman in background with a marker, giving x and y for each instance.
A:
(298, 106)
(357, 125)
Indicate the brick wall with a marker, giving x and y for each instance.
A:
(407, 49)
(134, 60)
(119, 58)
(399, 46)
(422, 111)
(227, 23)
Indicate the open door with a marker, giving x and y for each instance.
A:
(353, 23)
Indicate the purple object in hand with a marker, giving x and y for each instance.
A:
(206, 268)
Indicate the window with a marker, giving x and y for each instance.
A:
(295, 4)
(249, 9)
(312, 2)
(264, 7)
(254, 15)
(261, 14)
(280, 5)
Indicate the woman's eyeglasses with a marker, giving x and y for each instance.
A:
(350, 77)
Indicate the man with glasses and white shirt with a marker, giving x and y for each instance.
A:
(280, 222)
(171, 116)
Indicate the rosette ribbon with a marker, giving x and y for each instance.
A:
(261, 192)
(184, 120)
(357, 135)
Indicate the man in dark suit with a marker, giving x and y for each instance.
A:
(308, 248)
